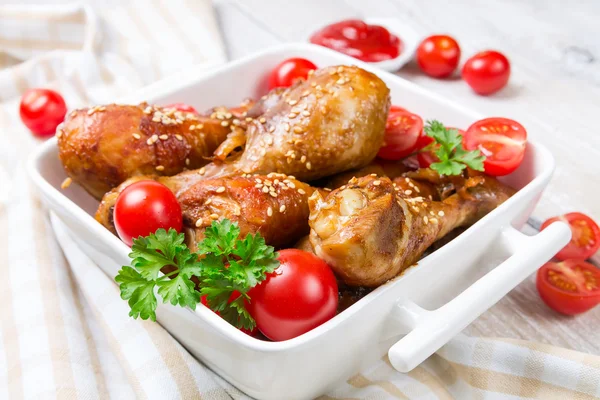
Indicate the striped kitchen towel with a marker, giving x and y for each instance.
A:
(64, 331)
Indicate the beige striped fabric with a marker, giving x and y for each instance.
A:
(64, 331)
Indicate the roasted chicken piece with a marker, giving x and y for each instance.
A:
(101, 147)
(274, 205)
(391, 169)
(330, 123)
(370, 230)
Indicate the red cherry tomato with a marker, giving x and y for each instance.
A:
(300, 295)
(370, 43)
(501, 140)
(486, 72)
(402, 132)
(233, 296)
(438, 55)
(143, 207)
(569, 287)
(289, 71)
(42, 110)
(394, 109)
(182, 107)
(585, 239)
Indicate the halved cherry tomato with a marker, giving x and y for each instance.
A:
(143, 207)
(426, 158)
(438, 55)
(300, 295)
(501, 140)
(394, 109)
(486, 72)
(569, 287)
(402, 132)
(182, 107)
(585, 239)
(289, 71)
(42, 110)
(233, 296)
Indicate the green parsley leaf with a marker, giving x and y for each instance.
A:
(453, 158)
(226, 267)
(149, 254)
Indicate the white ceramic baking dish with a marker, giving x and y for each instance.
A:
(456, 283)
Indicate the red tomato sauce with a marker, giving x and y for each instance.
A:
(371, 43)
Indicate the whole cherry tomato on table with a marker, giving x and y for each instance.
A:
(182, 107)
(143, 207)
(402, 132)
(42, 110)
(289, 71)
(486, 72)
(585, 239)
(569, 287)
(300, 295)
(501, 140)
(438, 55)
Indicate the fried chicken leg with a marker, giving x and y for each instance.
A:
(274, 205)
(101, 147)
(370, 230)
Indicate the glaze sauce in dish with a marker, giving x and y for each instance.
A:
(353, 37)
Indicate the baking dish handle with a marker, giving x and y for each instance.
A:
(433, 329)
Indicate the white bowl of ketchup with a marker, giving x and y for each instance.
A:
(388, 54)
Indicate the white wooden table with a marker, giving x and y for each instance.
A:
(554, 92)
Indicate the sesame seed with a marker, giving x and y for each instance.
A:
(291, 185)
(298, 129)
(374, 175)
(306, 113)
(269, 211)
(282, 208)
(201, 171)
(292, 115)
(408, 192)
(207, 202)
(220, 189)
(417, 189)
(273, 194)
(425, 219)
(248, 119)
(187, 161)
(164, 137)
(265, 189)
(441, 213)
(179, 137)
(262, 120)
(214, 216)
(228, 115)
(434, 220)
(237, 212)
(303, 159)
(292, 102)
(308, 165)
(160, 168)
(136, 136)
(301, 191)
(66, 183)
(286, 126)
(198, 222)
(154, 138)
(377, 182)
(224, 123)
(149, 141)
(272, 128)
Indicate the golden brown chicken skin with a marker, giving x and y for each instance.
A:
(330, 123)
(370, 230)
(101, 147)
(274, 205)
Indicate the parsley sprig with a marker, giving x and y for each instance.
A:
(453, 157)
(223, 265)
